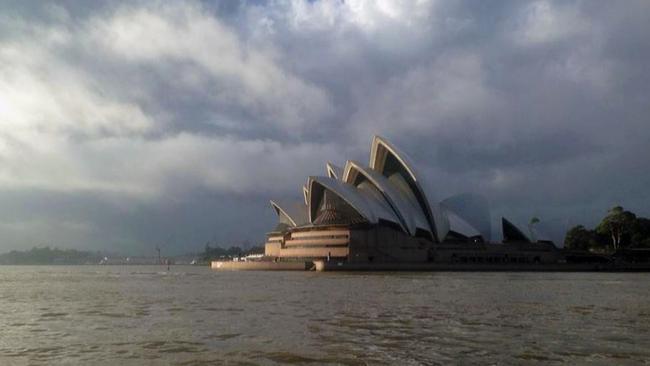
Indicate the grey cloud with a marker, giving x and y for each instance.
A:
(139, 111)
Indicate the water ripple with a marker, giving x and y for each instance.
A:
(192, 316)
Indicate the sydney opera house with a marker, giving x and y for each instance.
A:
(379, 213)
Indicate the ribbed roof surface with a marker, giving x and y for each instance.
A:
(407, 211)
(389, 189)
(337, 213)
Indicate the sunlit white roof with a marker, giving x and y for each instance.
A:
(334, 171)
(305, 194)
(380, 152)
(409, 213)
(361, 200)
(390, 190)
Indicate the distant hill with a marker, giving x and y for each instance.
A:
(47, 255)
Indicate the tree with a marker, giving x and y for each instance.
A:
(617, 224)
(534, 220)
(641, 232)
(579, 238)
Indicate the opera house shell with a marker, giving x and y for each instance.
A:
(380, 213)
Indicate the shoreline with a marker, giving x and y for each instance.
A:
(340, 266)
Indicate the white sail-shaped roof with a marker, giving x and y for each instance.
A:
(472, 208)
(390, 162)
(334, 171)
(362, 200)
(305, 194)
(410, 215)
(294, 213)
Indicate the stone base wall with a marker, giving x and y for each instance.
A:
(523, 253)
(272, 249)
(385, 244)
(260, 266)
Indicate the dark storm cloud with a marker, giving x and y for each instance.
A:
(129, 124)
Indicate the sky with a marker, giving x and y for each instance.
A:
(126, 125)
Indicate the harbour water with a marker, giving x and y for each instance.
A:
(131, 315)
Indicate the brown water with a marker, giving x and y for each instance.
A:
(132, 315)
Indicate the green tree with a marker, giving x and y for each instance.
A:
(531, 228)
(641, 232)
(579, 238)
(617, 224)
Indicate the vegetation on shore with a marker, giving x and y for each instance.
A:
(617, 230)
(47, 255)
(214, 253)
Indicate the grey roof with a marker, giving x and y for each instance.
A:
(472, 208)
(460, 226)
(294, 212)
(513, 233)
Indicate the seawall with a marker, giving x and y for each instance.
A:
(261, 266)
(325, 266)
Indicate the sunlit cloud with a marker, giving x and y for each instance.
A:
(120, 113)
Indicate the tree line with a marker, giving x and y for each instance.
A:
(47, 255)
(617, 230)
(211, 253)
